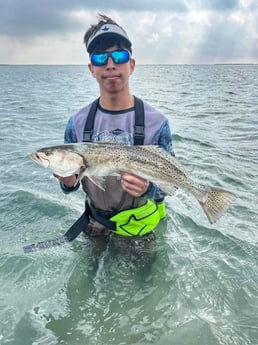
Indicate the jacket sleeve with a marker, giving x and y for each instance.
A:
(70, 134)
(69, 137)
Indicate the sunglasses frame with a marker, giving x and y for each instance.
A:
(106, 55)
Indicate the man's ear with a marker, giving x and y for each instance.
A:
(132, 65)
(91, 69)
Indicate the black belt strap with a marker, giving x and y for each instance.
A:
(80, 225)
(102, 217)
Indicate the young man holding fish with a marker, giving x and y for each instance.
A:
(111, 64)
(125, 184)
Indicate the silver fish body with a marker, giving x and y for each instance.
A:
(151, 162)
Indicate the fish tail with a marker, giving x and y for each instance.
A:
(215, 202)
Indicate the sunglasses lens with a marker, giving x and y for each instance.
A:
(118, 56)
(99, 59)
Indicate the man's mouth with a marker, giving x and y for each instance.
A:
(111, 77)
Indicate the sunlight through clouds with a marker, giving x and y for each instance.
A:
(182, 31)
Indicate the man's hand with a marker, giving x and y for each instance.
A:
(133, 184)
(68, 181)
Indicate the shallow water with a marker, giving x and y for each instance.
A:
(202, 287)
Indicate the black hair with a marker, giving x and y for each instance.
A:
(103, 43)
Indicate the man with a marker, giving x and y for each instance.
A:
(114, 119)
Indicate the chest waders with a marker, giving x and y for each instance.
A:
(136, 221)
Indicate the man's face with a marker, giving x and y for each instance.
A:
(112, 77)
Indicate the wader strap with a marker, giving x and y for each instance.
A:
(89, 125)
(138, 128)
(139, 122)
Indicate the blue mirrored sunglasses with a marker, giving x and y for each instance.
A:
(118, 56)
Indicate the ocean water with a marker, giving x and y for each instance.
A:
(202, 289)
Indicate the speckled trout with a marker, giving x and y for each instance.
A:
(151, 162)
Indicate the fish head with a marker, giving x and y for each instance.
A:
(63, 160)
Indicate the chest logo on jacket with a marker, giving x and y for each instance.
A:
(117, 136)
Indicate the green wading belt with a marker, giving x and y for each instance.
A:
(133, 222)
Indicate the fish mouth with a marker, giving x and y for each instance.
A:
(38, 159)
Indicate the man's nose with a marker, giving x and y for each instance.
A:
(110, 63)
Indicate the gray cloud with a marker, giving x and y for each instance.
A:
(223, 42)
(38, 17)
(164, 31)
(219, 5)
(31, 18)
(34, 17)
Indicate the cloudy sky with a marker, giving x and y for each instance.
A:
(162, 31)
